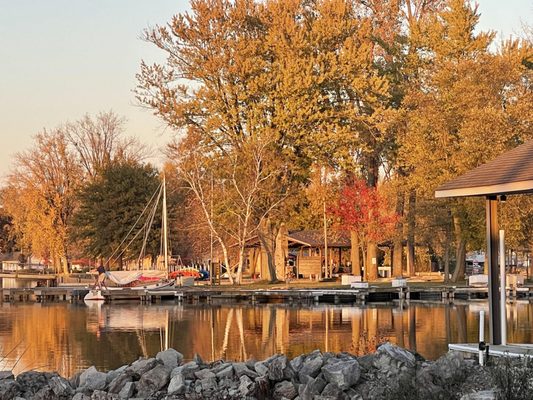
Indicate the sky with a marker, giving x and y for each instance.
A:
(62, 59)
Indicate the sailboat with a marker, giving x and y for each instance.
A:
(123, 278)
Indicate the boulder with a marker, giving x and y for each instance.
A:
(204, 373)
(198, 360)
(313, 387)
(333, 391)
(91, 379)
(9, 389)
(246, 386)
(176, 385)
(61, 387)
(483, 395)
(127, 390)
(276, 367)
(207, 384)
(261, 368)
(152, 381)
(311, 366)
(6, 375)
(342, 373)
(141, 366)
(187, 370)
(225, 373)
(392, 360)
(284, 390)
(114, 373)
(31, 382)
(297, 362)
(170, 358)
(241, 369)
(80, 396)
(102, 395)
(116, 385)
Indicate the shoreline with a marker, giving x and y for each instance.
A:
(390, 373)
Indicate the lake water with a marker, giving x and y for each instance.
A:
(68, 337)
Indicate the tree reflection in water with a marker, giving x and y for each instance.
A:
(70, 337)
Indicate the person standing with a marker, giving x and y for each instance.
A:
(102, 275)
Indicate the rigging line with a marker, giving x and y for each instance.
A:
(140, 216)
(148, 225)
(131, 241)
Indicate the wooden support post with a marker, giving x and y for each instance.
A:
(491, 208)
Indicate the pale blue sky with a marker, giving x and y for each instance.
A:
(60, 59)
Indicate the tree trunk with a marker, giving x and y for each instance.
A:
(371, 260)
(226, 261)
(397, 252)
(447, 245)
(354, 254)
(411, 212)
(460, 252)
(265, 235)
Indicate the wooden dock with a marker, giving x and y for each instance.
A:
(210, 294)
(509, 350)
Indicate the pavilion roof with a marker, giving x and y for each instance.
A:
(509, 173)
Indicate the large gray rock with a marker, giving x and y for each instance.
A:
(342, 373)
(91, 379)
(116, 385)
(152, 381)
(392, 360)
(204, 373)
(141, 366)
(114, 373)
(81, 396)
(241, 369)
(261, 368)
(333, 391)
(311, 366)
(127, 390)
(312, 388)
(284, 390)
(9, 389)
(276, 368)
(450, 366)
(6, 375)
(483, 395)
(61, 387)
(170, 358)
(187, 370)
(246, 386)
(207, 384)
(297, 363)
(227, 372)
(31, 382)
(102, 395)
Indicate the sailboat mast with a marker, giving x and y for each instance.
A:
(165, 229)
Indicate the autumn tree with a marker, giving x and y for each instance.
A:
(99, 141)
(460, 99)
(362, 209)
(40, 196)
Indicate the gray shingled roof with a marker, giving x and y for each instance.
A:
(315, 238)
(511, 172)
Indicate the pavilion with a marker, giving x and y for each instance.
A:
(510, 173)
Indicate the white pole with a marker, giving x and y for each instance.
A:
(481, 334)
(165, 229)
(503, 313)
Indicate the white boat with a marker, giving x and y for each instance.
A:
(94, 294)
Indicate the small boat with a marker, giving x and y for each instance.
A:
(94, 294)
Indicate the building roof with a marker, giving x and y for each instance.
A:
(315, 238)
(509, 173)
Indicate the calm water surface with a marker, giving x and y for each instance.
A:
(69, 337)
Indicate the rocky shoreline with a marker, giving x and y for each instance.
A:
(389, 373)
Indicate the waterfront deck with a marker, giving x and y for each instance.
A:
(288, 294)
(509, 350)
